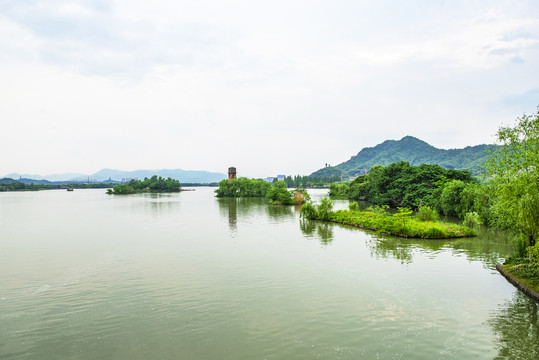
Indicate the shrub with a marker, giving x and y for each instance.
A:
(123, 189)
(324, 208)
(403, 214)
(353, 206)
(308, 211)
(426, 213)
(472, 219)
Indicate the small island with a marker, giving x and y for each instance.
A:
(423, 225)
(155, 184)
(277, 193)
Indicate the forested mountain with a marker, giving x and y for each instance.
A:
(414, 151)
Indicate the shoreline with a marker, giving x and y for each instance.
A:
(405, 236)
(394, 225)
(518, 283)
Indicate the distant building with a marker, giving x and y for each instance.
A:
(231, 173)
(269, 179)
(280, 177)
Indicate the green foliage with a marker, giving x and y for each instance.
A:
(324, 208)
(306, 196)
(300, 181)
(358, 187)
(279, 194)
(153, 184)
(525, 269)
(20, 186)
(472, 219)
(402, 185)
(378, 218)
(339, 190)
(353, 206)
(426, 213)
(123, 189)
(242, 187)
(451, 196)
(401, 225)
(403, 215)
(477, 198)
(514, 167)
(377, 209)
(319, 211)
(434, 232)
(308, 211)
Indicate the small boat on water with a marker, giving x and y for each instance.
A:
(69, 189)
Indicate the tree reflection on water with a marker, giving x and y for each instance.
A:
(516, 326)
(317, 229)
(385, 247)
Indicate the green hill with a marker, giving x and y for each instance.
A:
(414, 151)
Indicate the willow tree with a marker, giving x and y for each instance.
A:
(514, 168)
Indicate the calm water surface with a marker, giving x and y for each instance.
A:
(85, 275)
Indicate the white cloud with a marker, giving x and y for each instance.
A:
(275, 87)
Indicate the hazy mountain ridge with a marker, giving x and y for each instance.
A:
(414, 151)
(184, 176)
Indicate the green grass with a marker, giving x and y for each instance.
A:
(407, 226)
(524, 270)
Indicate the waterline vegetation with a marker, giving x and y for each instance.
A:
(424, 225)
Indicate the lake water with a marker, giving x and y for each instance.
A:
(86, 275)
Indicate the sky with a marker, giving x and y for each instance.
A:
(270, 87)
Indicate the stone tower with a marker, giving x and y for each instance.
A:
(231, 173)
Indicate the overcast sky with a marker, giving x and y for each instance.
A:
(271, 87)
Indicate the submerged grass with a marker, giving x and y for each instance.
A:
(404, 226)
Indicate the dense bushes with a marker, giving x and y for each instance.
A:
(426, 213)
(339, 190)
(277, 192)
(242, 187)
(403, 185)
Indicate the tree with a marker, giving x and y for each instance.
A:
(279, 194)
(450, 198)
(515, 173)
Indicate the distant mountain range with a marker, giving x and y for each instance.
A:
(111, 175)
(414, 151)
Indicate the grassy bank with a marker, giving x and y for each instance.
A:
(523, 270)
(401, 224)
(410, 227)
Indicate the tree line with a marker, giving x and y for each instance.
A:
(19, 186)
(153, 184)
(277, 192)
(307, 181)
